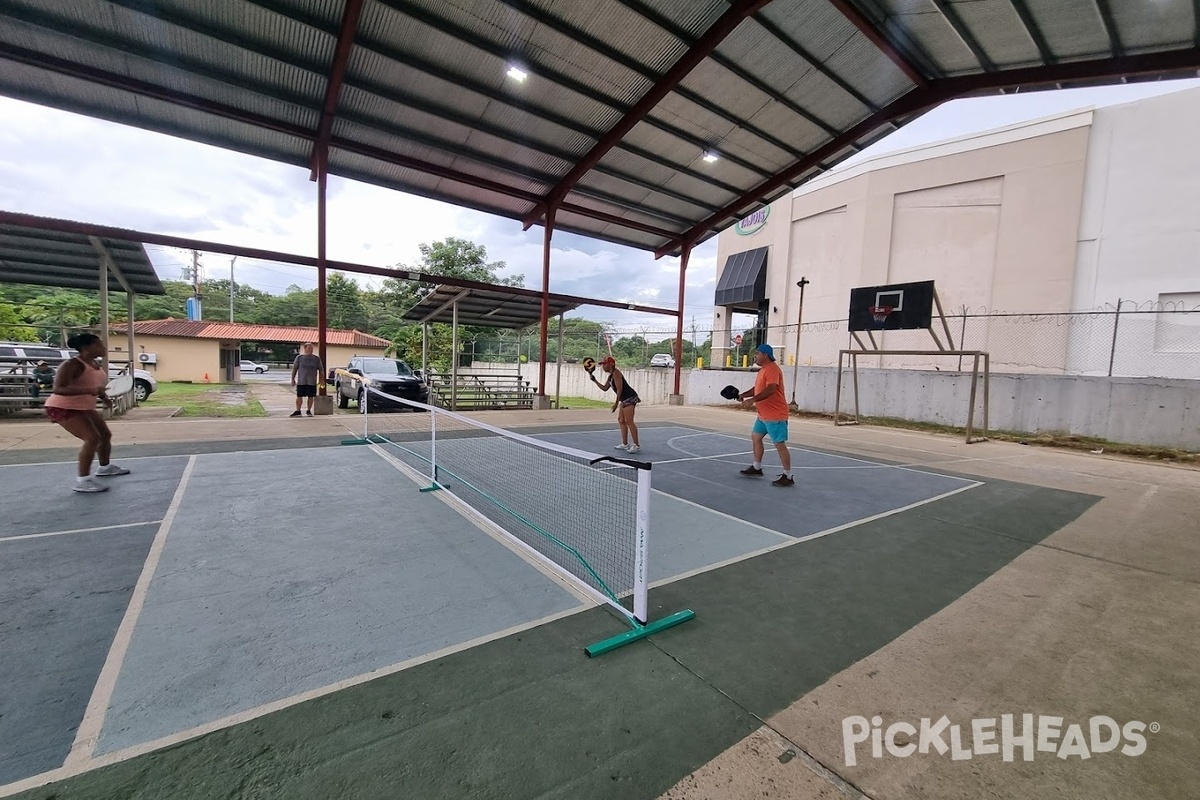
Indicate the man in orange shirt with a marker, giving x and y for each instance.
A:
(772, 421)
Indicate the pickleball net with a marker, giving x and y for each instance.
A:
(584, 515)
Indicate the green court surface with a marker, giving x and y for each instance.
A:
(528, 715)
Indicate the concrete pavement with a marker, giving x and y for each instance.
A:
(1093, 621)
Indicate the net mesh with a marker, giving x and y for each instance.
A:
(577, 510)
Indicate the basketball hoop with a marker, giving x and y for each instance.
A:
(880, 313)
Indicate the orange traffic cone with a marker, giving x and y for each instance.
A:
(206, 377)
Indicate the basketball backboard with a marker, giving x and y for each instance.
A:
(894, 307)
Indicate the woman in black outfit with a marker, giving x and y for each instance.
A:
(627, 400)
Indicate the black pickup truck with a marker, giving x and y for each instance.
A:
(390, 376)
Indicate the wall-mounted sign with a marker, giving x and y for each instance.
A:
(753, 222)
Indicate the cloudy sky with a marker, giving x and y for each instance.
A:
(57, 164)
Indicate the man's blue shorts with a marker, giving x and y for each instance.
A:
(777, 431)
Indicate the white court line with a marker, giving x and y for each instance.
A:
(851, 458)
(719, 514)
(187, 455)
(70, 769)
(865, 463)
(722, 457)
(810, 537)
(93, 719)
(494, 531)
(76, 460)
(79, 530)
(868, 465)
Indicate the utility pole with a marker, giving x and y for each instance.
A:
(196, 293)
(232, 261)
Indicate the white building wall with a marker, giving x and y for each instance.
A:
(992, 219)
(1142, 202)
(1139, 237)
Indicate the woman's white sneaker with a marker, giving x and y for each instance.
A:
(621, 447)
(89, 486)
(633, 448)
(108, 470)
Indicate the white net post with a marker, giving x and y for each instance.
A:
(641, 580)
(588, 523)
(433, 476)
(362, 408)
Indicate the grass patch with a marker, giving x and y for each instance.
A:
(201, 409)
(202, 400)
(169, 394)
(1066, 441)
(583, 402)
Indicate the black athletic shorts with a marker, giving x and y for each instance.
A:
(306, 391)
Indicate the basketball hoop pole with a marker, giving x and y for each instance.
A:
(793, 406)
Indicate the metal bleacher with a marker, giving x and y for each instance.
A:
(476, 392)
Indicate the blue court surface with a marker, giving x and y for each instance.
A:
(830, 490)
(206, 589)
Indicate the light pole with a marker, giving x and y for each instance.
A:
(796, 358)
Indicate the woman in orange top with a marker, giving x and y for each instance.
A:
(73, 405)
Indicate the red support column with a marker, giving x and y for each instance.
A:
(322, 316)
(685, 252)
(545, 300)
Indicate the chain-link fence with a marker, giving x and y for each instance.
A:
(1149, 340)
(1133, 341)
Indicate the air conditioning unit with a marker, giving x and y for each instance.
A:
(148, 358)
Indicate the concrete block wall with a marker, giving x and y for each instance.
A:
(1152, 411)
(654, 386)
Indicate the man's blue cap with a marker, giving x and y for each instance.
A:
(766, 348)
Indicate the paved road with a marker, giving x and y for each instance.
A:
(274, 376)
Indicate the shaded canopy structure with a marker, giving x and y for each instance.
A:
(485, 307)
(494, 307)
(652, 123)
(42, 257)
(75, 261)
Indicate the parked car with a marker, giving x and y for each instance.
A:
(144, 383)
(662, 360)
(24, 355)
(253, 366)
(390, 375)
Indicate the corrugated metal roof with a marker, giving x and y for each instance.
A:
(72, 261)
(243, 332)
(486, 308)
(426, 105)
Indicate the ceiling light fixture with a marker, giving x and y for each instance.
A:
(517, 74)
(710, 158)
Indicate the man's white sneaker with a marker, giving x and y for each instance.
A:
(88, 485)
(108, 470)
(633, 448)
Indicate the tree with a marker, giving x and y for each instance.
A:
(173, 304)
(246, 300)
(63, 310)
(12, 325)
(297, 307)
(344, 302)
(453, 258)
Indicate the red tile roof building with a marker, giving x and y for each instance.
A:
(251, 333)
